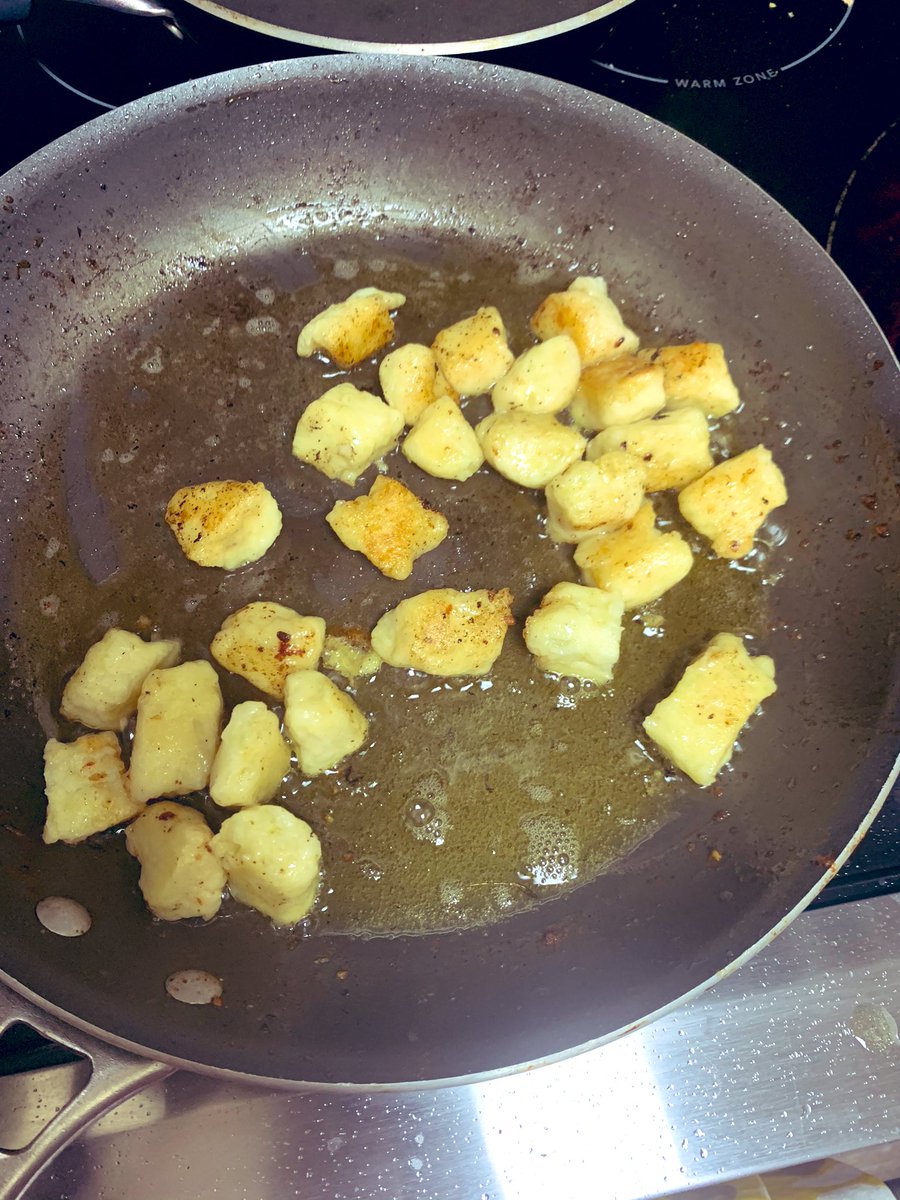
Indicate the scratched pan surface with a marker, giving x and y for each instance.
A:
(210, 216)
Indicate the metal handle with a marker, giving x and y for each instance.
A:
(115, 1075)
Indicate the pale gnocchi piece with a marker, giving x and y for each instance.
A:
(345, 431)
(411, 380)
(103, 692)
(264, 642)
(697, 725)
(350, 654)
(542, 380)
(638, 561)
(323, 723)
(224, 523)
(576, 632)
(252, 760)
(696, 376)
(179, 716)
(272, 860)
(528, 448)
(391, 527)
(618, 392)
(443, 443)
(674, 447)
(589, 496)
(586, 313)
(352, 330)
(730, 503)
(86, 788)
(180, 876)
(445, 631)
(473, 354)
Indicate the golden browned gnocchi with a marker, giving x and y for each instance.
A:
(576, 632)
(696, 376)
(264, 642)
(411, 379)
(618, 392)
(271, 860)
(697, 725)
(391, 527)
(542, 380)
(179, 716)
(252, 760)
(730, 503)
(445, 631)
(180, 876)
(528, 448)
(352, 330)
(443, 443)
(324, 724)
(224, 523)
(474, 353)
(103, 692)
(590, 318)
(674, 447)
(345, 431)
(638, 562)
(86, 788)
(589, 496)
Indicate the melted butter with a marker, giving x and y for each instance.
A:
(473, 798)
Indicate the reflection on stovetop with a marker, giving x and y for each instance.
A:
(801, 95)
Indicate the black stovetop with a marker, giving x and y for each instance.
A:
(801, 95)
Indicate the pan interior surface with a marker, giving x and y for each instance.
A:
(344, 162)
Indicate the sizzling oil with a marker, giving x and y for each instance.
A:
(473, 798)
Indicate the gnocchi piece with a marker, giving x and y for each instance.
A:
(618, 392)
(272, 860)
(696, 376)
(674, 447)
(697, 725)
(391, 526)
(350, 654)
(528, 448)
(86, 788)
(731, 502)
(638, 561)
(593, 322)
(473, 354)
(443, 443)
(180, 876)
(323, 723)
(252, 760)
(345, 431)
(411, 380)
(542, 380)
(576, 632)
(264, 642)
(352, 330)
(588, 496)
(224, 523)
(179, 716)
(103, 692)
(445, 631)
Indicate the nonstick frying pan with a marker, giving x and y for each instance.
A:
(240, 173)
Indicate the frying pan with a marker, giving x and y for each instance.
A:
(134, 212)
